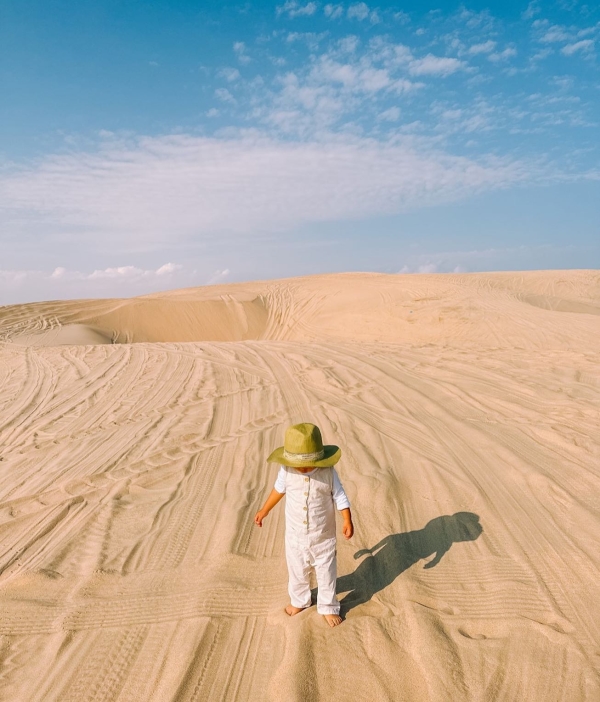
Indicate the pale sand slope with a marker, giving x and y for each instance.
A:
(130, 475)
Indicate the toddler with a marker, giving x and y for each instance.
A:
(307, 477)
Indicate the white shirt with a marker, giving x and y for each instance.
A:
(339, 496)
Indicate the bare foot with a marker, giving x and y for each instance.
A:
(333, 619)
(291, 610)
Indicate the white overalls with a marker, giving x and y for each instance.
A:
(310, 533)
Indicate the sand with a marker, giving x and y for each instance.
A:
(468, 409)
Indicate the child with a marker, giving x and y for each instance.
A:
(307, 477)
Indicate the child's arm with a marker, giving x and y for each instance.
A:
(348, 527)
(272, 500)
(343, 505)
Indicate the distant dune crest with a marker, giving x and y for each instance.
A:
(498, 309)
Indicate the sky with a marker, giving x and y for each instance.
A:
(147, 146)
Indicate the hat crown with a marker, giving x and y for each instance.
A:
(303, 438)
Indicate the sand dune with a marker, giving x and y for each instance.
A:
(493, 309)
(468, 407)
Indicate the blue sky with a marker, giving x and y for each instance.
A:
(147, 146)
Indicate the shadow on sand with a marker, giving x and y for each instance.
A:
(397, 552)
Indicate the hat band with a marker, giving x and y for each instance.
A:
(301, 457)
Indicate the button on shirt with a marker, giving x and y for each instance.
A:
(310, 499)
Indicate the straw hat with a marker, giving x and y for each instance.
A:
(303, 446)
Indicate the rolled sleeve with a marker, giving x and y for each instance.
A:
(280, 481)
(339, 496)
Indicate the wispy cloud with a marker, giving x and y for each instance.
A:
(532, 10)
(584, 46)
(548, 33)
(118, 272)
(333, 11)
(225, 96)
(392, 114)
(127, 272)
(295, 9)
(483, 48)
(435, 65)
(488, 259)
(422, 268)
(555, 34)
(504, 55)
(240, 50)
(230, 74)
(369, 84)
(158, 190)
(112, 281)
(219, 276)
(347, 80)
(361, 11)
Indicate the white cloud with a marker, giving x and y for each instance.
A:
(476, 20)
(120, 272)
(585, 45)
(311, 39)
(125, 272)
(10, 277)
(423, 268)
(225, 96)
(498, 56)
(589, 30)
(294, 9)
(554, 34)
(348, 45)
(359, 11)
(435, 65)
(333, 11)
(406, 86)
(239, 48)
(163, 190)
(484, 48)
(60, 273)
(331, 71)
(402, 17)
(390, 115)
(542, 54)
(230, 74)
(374, 79)
(428, 268)
(532, 10)
(335, 84)
(28, 285)
(521, 257)
(218, 276)
(168, 268)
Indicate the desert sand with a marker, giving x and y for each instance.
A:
(133, 438)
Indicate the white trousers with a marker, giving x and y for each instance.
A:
(306, 551)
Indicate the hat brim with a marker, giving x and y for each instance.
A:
(331, 457)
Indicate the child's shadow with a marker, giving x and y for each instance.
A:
(397, 552)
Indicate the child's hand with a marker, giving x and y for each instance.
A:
(348, 530)
(258, 519)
